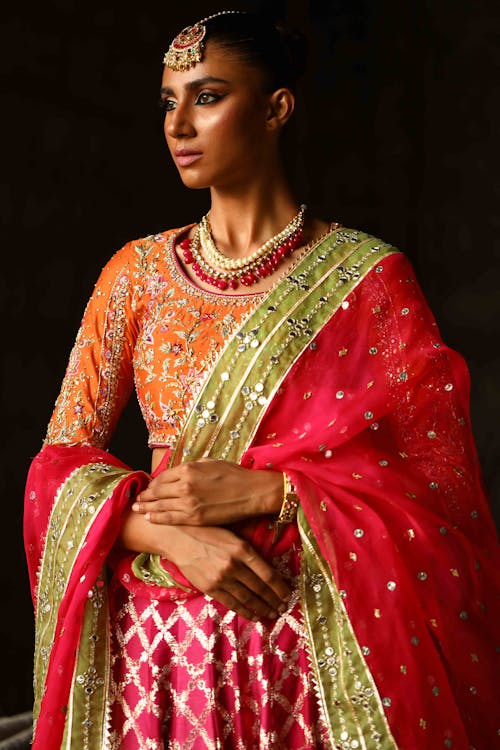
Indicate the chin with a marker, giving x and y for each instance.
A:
(194, 181)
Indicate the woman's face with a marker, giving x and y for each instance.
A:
(215, 121)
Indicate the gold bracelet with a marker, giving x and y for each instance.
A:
(289, 507)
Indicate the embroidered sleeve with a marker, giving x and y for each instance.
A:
(99, 376)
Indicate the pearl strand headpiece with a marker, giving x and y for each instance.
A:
(187, 48)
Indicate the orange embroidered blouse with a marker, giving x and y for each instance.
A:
(146, 323)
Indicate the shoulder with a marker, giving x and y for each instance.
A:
(368, 258)
(387, 277)
(138, 259)
(390, 289)
(358, 237)
(388, 262)
(135, 254)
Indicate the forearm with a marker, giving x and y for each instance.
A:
(210, 493)
(214, 560)
(266, 488)
(138, 535)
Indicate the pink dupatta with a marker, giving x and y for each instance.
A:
(74, 501)
(370, 419)
(373, 427)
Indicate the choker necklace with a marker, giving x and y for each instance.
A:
(222, 272)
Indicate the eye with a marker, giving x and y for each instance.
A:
(166, 105)
(207, 97)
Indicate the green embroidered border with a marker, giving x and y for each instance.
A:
(86, 720)
(223, 422)
(76, 507)
(149, 569)
(228, 410)
(346, 691)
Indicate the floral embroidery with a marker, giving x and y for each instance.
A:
(140, 325)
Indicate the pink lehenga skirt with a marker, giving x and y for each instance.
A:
(192, 675)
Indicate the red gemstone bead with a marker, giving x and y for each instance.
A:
(248, 279)
(185, 244)
(262, 272)
(188, 256)
(221, 284)
(233, 283)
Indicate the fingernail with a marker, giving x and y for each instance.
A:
(148, 516)
(135, 506)
(282, 608)
(273, 615)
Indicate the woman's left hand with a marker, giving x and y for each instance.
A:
(209, 493)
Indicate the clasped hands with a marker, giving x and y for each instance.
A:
(200, 498)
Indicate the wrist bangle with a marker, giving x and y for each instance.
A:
(289, 507)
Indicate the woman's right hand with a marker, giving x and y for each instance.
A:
(218, 563)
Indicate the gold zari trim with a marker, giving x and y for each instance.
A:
(225, 415)
(76, 508)
(148, 568)
(346, 690)
(255, 362)
(223, 422)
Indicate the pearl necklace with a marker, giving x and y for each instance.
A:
(219, 260)
(222, 272)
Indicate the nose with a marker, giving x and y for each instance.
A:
(178, 124)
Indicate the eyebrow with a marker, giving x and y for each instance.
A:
(197, 83)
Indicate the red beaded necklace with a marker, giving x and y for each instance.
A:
(247, 273)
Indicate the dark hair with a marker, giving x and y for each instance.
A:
(280, 53)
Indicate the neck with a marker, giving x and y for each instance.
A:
(242, 219)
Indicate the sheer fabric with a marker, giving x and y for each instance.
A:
(360, 401)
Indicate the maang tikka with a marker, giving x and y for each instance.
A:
(187, 48)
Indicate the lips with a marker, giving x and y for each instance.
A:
(186, 156)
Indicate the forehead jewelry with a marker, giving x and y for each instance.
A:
(187, 48)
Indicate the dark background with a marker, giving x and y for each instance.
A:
(397, 133)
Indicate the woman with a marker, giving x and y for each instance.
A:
(309, 565)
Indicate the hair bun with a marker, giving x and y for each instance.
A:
(263, 42)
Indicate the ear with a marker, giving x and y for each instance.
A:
(280, 108)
